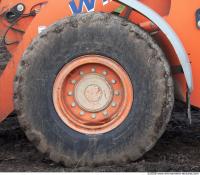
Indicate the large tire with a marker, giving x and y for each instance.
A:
(116, 38)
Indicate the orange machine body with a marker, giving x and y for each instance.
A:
(179, 14)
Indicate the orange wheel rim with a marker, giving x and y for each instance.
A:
(92, 94)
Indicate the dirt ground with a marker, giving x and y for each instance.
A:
(177, 150)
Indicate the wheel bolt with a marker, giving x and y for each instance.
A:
(105, 73)
(113, 81)
(93, 70)
(105, 113)
(93, 116)
(73, 81)
(82, 113)
(81, 73)
(117, 93)
(73, 104)
(70, 93)
(114, 104)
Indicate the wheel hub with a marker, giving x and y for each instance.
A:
(92, 94)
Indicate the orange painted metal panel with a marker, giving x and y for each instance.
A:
(182, 20)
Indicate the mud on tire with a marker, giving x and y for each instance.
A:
(107, 35)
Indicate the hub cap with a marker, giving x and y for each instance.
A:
(92, 94)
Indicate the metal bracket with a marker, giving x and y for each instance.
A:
(189, 114)
(15, 13)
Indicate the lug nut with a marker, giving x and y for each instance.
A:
(73, 81)
(117, 93)
(93, 116)
(105, 113)
(81, 73)
(105, 73)
(93, 70)
(70, 93)
(113, 81)
(73, 104)
(114, 104)
(82, 113)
